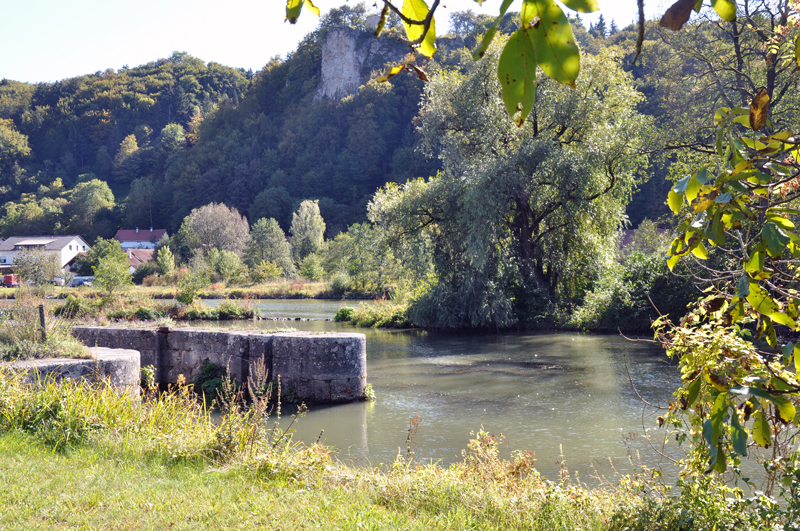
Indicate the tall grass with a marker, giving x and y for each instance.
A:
(22, 336)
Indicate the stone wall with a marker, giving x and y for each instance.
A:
(316, 367)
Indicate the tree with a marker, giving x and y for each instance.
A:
(215, 226)
(37, 266)
(112, 274)
(518, 216)
(166, 262)
(599, 30)
(307, 230)
(102, 248)
(268, 243)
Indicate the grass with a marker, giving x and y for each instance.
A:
(75, 456)
(290, 289)
(21, 333)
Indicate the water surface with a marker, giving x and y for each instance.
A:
(553, 393)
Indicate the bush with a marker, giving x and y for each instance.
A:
(381, 314)
(621, 299)
(311, 267)
(265, 271)
(145, 270)
(189, 287)
(340, 283)
(234, 309)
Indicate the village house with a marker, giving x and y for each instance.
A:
(67, 248)
(136, 239)
(137, 257)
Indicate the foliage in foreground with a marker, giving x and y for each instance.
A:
(736, 350)
(142, 442)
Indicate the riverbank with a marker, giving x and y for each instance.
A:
(101, 460)
(299, 289)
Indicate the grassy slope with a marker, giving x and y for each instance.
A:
(99, 488)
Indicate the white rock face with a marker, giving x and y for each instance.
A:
(350, 56)
(341, 70)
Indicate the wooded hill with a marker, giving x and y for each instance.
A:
(143, 146)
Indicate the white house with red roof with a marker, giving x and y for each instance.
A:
(139, 239)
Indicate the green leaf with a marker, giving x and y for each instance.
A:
(582, 6)
(693, 391)
(775, 239)
(681, 184)
(672, 260)
(692, 188)
(675, 201)
(797, 51)
(717, 417)
(700, 251)
(760, 300)
(785, 408)
(490, 33)
(784, 319)
(556, 52)
(738, 435)
(725, 9)
(780, 221)
(517, 73)
(418, 10)
(717, 235)
(743, 288)
(755, 264)
(761, 433)
(293, 8)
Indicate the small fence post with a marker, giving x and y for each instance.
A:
(42, 322)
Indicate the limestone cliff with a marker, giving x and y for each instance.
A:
(350, 56)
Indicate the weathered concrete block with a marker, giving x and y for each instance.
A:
(119, 367)
(317, 367)
(309, 364)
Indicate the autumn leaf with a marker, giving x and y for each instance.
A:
(293, 8)
(677, 15)
(758, 110)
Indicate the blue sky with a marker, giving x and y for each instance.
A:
(48, 40)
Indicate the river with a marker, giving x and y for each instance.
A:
(556, 394)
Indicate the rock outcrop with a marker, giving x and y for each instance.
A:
(350, 56)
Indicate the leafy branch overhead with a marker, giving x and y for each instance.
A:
(544, 40)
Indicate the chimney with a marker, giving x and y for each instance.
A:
(137, 230)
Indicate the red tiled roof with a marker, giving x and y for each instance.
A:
(146, 235)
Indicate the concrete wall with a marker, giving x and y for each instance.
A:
(315, 367)
(120, 368)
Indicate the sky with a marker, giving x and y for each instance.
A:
(49, 40)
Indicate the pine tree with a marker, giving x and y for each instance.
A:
(599, 30)
(613, 29)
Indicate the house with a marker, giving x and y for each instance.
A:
(137, 257)
(67, 248)
(136, 239)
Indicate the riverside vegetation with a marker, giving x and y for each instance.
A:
(103, 459)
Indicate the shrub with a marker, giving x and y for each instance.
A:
(311, 267)
(235, 309)
(340, 283)
(145, 270)
(189, 287)
(265, 271)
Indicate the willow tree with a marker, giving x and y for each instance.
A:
(519, 216)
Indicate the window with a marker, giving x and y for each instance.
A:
(70, 247)
(84, 247)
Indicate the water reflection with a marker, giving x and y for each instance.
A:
(545, 392)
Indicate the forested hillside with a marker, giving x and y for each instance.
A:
(143, 146)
